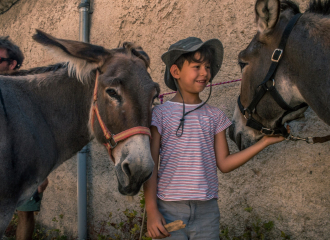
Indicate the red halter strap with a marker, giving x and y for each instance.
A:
(113, 139)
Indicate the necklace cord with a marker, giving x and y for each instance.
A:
(181, 125)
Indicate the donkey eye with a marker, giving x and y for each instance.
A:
(242, 65)
(112, 93)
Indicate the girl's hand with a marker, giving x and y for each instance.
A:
(269, 140)
(155, 225)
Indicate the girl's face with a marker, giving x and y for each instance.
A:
(193, 77)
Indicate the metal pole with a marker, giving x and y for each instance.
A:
(82, 155)
(82, 193)
(84, 21)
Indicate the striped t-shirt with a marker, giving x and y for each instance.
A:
(188, 169)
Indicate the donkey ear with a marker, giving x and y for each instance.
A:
(267, 12)
(138, 52)
(144, 56)
(83, 57)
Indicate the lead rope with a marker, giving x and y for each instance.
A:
(143, 218)
(309, 140)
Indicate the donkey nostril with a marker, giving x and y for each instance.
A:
(126, 170)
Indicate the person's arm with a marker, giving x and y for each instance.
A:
(156, 221)
(227, 162)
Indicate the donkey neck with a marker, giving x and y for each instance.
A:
(64, 103)
(308, 62)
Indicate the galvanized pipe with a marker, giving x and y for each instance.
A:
(84, 7)
(82, 193)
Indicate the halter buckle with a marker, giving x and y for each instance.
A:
(277, 54)
(267, 129)
(310, 140)
(112, 146)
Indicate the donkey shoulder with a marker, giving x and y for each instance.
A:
(26, 144)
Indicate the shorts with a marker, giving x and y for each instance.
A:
(202, 218)
(32, 205)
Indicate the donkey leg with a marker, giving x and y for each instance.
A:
(6, 212)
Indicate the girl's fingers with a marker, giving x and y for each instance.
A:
(156, 233)
(163, 221)
(150, 234)
(163, 231)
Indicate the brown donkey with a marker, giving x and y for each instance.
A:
(303, 70)
(45, 113)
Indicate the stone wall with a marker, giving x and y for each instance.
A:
(287, 183)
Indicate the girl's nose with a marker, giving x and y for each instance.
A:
(203, 71)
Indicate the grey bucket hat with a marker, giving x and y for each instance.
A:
(191, 44)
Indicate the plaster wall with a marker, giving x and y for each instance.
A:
(287, 183)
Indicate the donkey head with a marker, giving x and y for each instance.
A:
(125, 93)
(272, 17)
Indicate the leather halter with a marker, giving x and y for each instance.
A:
(113, 139)
(277, 54)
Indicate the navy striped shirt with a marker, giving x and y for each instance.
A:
(188, 169)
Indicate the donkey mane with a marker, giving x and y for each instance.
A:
(39, 70)
(315, 6)
(319, 7)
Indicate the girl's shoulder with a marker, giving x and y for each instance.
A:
(166, 106)
(161, 107)
(213, 111)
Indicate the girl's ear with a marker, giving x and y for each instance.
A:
(175, 71)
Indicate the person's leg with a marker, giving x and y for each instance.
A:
(205, 220)
(25, 225)
(25, 212)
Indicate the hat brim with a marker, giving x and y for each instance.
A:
(171, 56)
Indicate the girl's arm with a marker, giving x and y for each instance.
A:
(155, 220)
(227, 162)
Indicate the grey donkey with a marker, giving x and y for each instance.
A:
(303, 73)
(45, 116)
